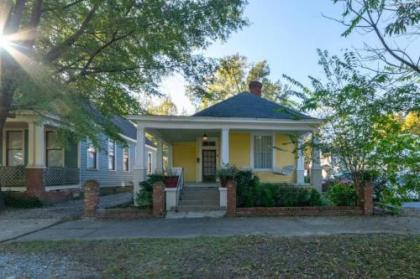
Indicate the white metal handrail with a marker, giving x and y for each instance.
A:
(178, 171)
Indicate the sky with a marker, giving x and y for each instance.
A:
(286, 33)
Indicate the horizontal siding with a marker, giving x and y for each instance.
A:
(106, 177)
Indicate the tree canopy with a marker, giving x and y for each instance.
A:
(165, 107)
(232, 75)
(74, 57)
(367, 122)
(394, 23)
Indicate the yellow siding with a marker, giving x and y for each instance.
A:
(239, 146)
(184, 155)
(239, 155)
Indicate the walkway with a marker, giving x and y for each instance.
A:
(182, 228)
(16, 222)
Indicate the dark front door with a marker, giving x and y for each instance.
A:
(209, 165)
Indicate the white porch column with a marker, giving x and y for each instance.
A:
(139, 171)
(36, 143)
(300, 163)
(159, 157)
(170, 156)
(316, 172)
(224, 147)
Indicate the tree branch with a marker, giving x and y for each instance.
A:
(383, 42)
(56, 51)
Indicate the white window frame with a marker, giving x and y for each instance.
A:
(115, 154)
(88, 143)
(273, 157)
(46, 149)
(128, 159)
(5, 161)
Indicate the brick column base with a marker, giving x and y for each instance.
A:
(34, 178)
(231, 198)
(91, 198)
(366, 199)
(158, 199)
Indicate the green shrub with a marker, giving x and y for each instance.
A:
(278, 195)
(246, 186)
(145, 196)
(288, 195)
(20, 200)
(342, 194)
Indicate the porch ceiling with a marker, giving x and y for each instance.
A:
(178, 135)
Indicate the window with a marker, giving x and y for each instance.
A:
(54, 151)
(111, 155)
(149, 163)
(92, 156)
(14, 148)
(209, 143)
(126, 160)
(263, 152)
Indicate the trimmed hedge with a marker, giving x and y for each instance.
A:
(251, 193)
(284, 195)
(342, 194)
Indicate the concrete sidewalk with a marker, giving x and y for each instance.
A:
(17, 222)
(86, 229)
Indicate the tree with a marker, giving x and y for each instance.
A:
(231, 75)
(361, 124)
(389, 21)
(73, 58)
(165, 107)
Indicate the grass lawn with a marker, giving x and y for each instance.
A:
(346, 256)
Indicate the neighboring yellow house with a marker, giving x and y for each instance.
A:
(246, 131)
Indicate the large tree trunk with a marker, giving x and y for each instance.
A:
(8, 74)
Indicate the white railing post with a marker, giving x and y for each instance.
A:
(300, 163)
(159, 157)
(173, 194)
(316, 172)
(224, 147)
(139, 171)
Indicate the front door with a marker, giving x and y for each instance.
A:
(209, 165)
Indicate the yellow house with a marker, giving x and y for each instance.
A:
(246, 131)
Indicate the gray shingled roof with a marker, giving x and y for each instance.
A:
(128, 129)
(247, 105)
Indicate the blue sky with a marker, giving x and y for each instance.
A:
(286, 33)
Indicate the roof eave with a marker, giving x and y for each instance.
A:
(208, 119)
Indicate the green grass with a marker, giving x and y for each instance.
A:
(346, 256)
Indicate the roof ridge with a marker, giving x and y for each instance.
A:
(221, 102)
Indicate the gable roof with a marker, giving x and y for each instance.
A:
(128, 129)
(247, 105)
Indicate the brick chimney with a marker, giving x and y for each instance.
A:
(255, 88)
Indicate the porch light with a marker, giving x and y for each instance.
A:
(205, 138)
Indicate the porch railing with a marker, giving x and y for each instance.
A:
(12, 176)
(178, 171)
(60, 176)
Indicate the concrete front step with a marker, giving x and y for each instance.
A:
(184, 208)
(199, 202)
(195, 214)
(199, 198)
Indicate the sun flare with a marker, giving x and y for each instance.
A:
(4, 42)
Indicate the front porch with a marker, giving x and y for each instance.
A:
(32, 158)
(201, 145)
